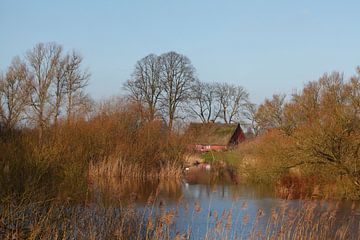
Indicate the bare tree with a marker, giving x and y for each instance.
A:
(354, 92)
(59, 84)
(83, 106)
(43, 61)
(270, 114)
(177, 77)
(232, 101)
(250, 116)
(203, 102)
(14, 94)
(144, 85)
(76, 80)
(328, 134)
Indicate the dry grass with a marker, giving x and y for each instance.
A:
(51, 220)
(114, 143)
(113, 169)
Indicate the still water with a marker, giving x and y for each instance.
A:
(203, 205)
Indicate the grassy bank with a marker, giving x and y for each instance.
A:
(228, 157)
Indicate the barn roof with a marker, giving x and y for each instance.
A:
(210, 133)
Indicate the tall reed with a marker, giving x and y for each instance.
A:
(55, 220)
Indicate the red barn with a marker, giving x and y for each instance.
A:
(214, 136)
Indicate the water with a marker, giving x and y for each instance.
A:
(207, 205)
(202, 205)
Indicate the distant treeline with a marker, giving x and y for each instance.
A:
(48, 85)
(168, 87)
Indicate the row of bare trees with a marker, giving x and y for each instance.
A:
(162, 84)
(212, 101)
(167, 87)
(45, 85)
(48, 84)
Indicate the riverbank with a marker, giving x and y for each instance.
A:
(266, 161)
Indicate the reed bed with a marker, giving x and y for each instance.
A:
(156, 220)
(65, 221)
(311, 220)
(114, 169)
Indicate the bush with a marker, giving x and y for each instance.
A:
(58, 163)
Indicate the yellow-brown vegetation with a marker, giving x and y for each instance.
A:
(51, 220)
(114, 143)
(316, 132)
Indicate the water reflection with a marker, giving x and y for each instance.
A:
(197, 184)
(202, 195)
(140, 191)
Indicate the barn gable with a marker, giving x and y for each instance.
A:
(237, 137)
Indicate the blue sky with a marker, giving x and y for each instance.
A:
(266, 46)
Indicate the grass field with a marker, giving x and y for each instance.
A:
(228, 157)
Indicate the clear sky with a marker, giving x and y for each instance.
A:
(266, 46)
